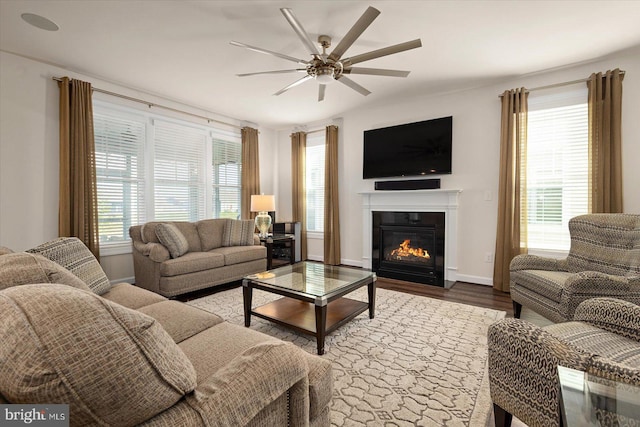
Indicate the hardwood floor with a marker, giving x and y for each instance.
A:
(461, 292)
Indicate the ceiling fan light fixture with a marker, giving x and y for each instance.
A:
(325, 75)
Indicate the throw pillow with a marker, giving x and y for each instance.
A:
(73, 255)
(5, 250)
(24, 268)
(111, 364)
(172, 239)
(238, 233)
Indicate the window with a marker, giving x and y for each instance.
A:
(151, 167)
(556, 167)
(179, 172)
(120, 173)
(314, 182)
(227, 173)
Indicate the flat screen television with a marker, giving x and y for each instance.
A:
(412, 149)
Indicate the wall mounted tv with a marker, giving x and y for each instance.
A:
(412, 149)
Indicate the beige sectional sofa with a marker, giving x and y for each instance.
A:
(212, 252)
(122, 355)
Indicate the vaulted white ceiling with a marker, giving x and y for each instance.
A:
(180, 49)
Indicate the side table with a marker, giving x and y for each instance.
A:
(281, 241)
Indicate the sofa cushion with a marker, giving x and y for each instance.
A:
(172, 239)
(190, 263)
(229, 341)
(181, 321)
(120, 368)
(542, 282)
(211, 232)
(238, 233)
(73, 255)
(240, 254)
(23, 268)
(597, 341)
(132, 296)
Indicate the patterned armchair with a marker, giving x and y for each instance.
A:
(604, 261)
(604, 340)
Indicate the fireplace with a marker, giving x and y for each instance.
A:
(409, 246)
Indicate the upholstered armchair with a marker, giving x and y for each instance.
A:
(604, 340)
(604, 261)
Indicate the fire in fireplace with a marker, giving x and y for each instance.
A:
(404, 252)
(409, 246)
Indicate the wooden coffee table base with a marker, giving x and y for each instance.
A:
(307, 318)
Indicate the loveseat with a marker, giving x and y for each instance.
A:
(174, 258)
(122, 355)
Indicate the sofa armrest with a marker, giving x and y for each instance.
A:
(249, 383)
(534, 262)
(155, 251)
(597, 284)
(522, 354)
(613, 315)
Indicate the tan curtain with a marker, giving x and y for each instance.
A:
(605, 141)
(298, 192)
(250, 171)
(331, 196)
(78, 203)
(512, 215)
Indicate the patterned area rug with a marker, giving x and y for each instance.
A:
(420, 362)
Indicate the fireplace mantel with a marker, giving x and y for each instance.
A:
(414, 201)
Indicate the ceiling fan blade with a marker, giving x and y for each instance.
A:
(321, 92)
(298, 70)
(376, 72)
(353, 85)
(269, 52)
(358, 28)
(297, 27)
(390, 50)
(294, 84)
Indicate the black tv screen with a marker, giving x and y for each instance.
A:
(412, 149)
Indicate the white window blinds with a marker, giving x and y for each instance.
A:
(314, 170)
(227, 173)
(179, 172)
(120, 172)
(556, 167)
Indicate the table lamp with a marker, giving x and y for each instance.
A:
(263, 204)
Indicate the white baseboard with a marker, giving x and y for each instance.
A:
(130, 280)
(487, 281)
(351, 262)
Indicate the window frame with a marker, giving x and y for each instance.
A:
(232, 135)
(315, 142)
(560, 97)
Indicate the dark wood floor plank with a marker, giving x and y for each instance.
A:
(460, 292)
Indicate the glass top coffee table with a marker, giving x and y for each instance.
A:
(313, 297)
(588, 400)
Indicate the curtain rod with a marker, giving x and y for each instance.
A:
(572, 82)
(151, 104)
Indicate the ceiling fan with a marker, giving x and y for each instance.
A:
(326, 68)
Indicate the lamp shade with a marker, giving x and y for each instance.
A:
(262, 203)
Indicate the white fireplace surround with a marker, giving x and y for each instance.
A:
(415, 201)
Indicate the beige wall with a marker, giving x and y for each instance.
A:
(476, 124)
(29, 153)
(29, 156)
